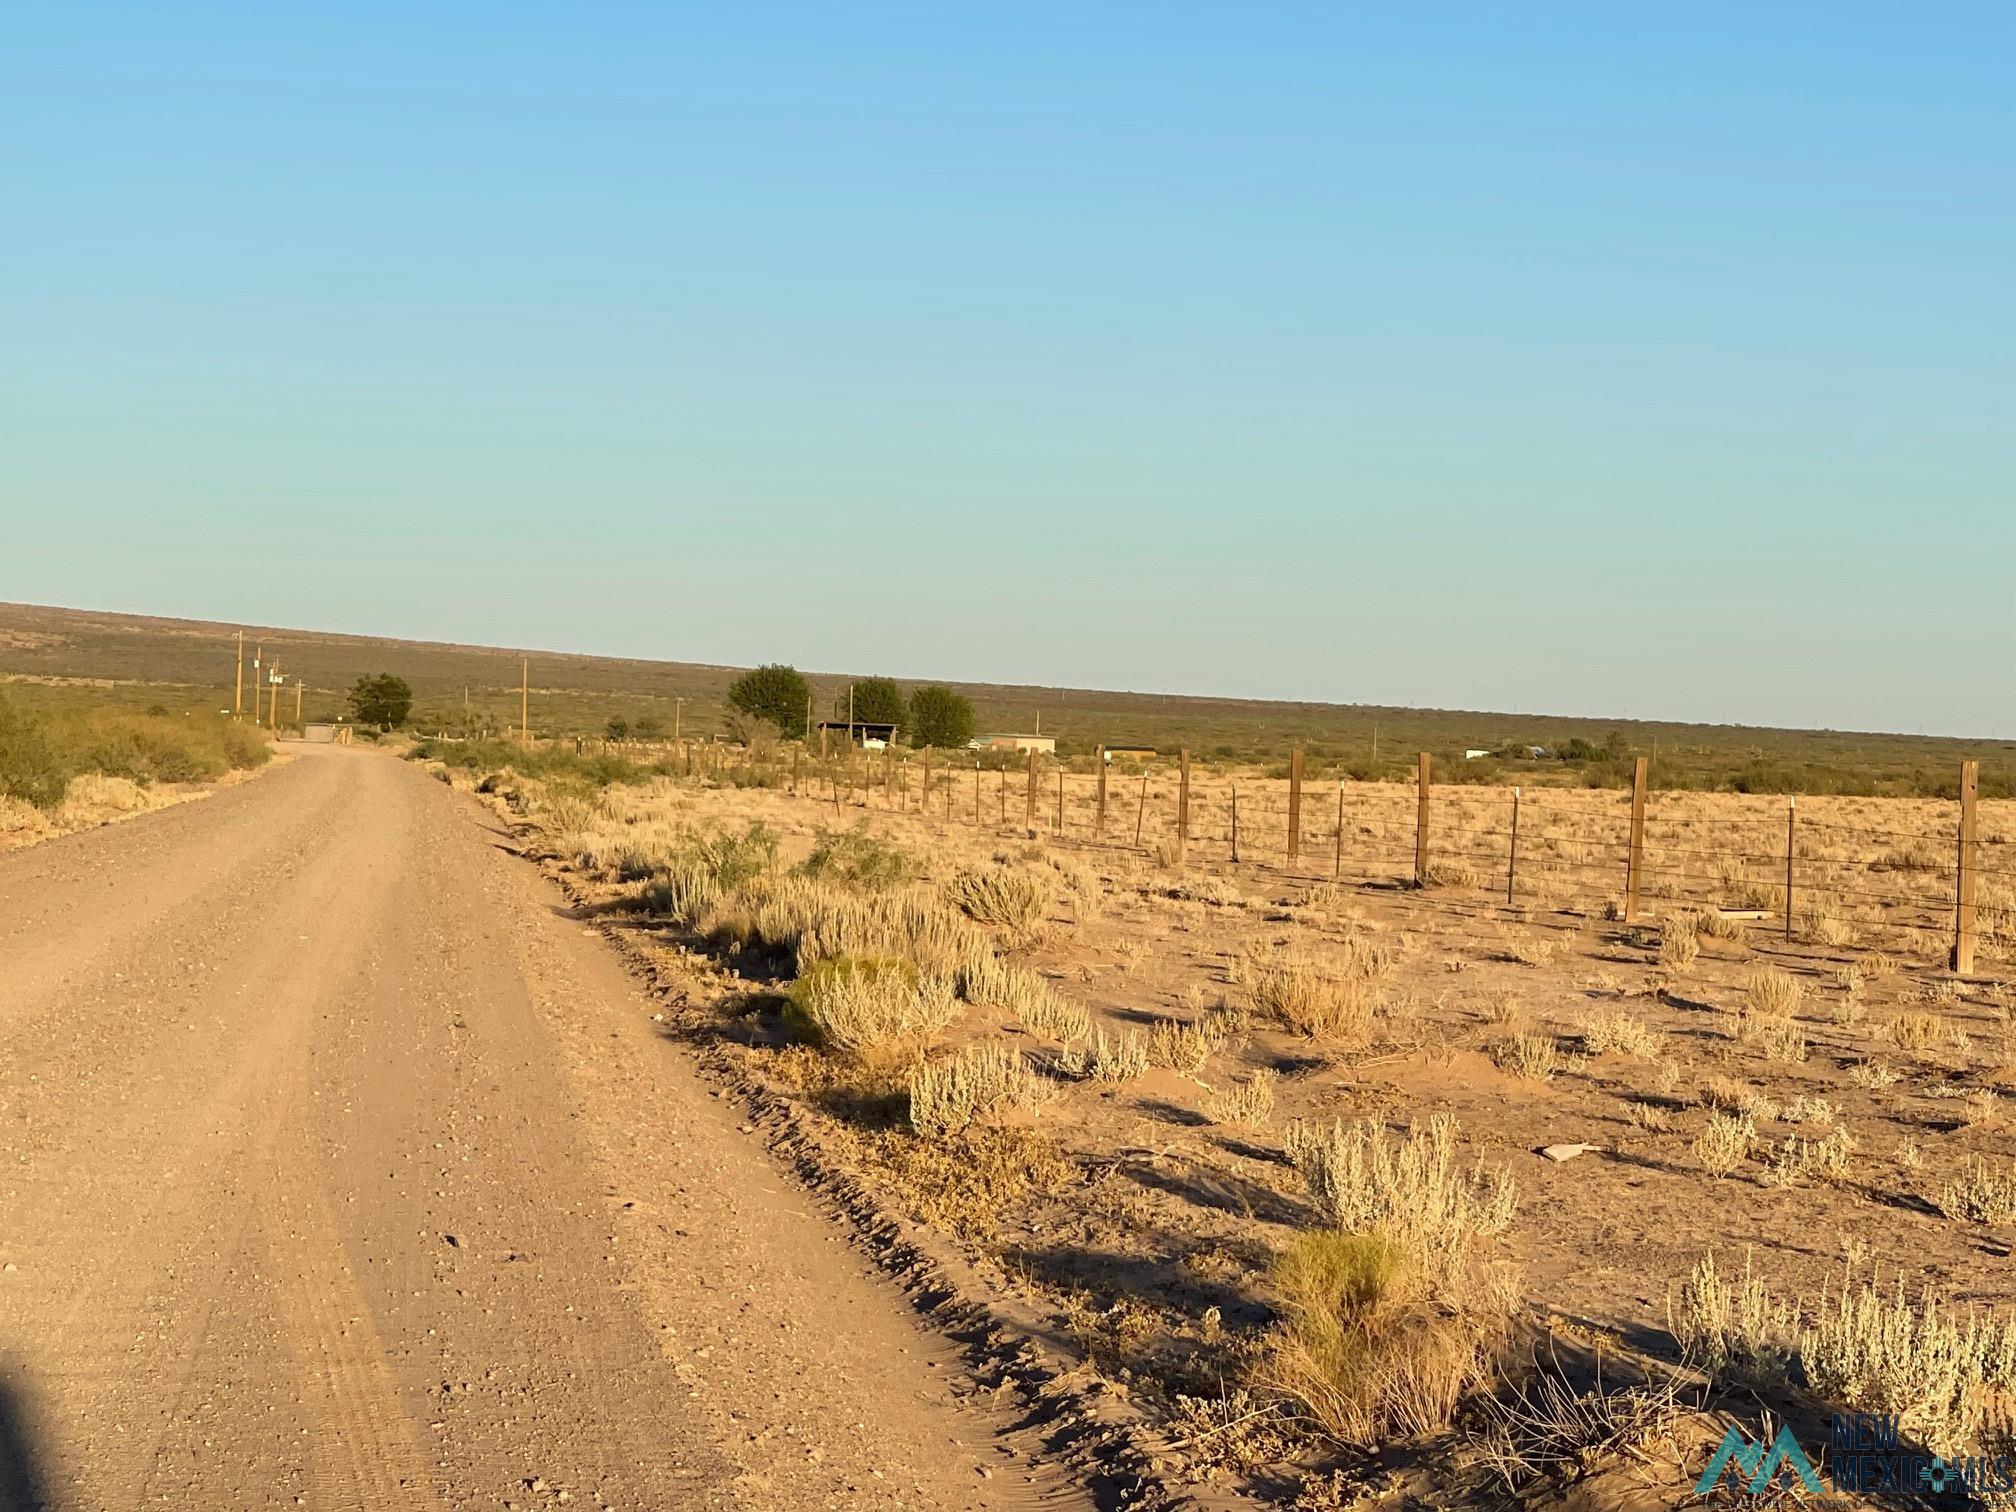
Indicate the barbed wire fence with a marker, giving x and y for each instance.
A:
(1916, 884)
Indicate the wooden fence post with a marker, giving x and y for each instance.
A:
(1512, 854)
(1294, 805)
(1183, 805)
(1791, 832)
(1634, 865)
(976, 792)
(1235, 824)
(1029, 798)
(1337, 865)
(1141, 808)
(1963, 881)
(797, 757)
(1422, 768)
(1099, 824)
(1060, 799)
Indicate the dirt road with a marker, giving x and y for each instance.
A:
(338, 1169)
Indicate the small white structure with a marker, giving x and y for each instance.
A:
(1475, 755)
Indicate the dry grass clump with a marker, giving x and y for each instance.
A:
(861, 858)
(1040, 1008)
(1622, 1033)
(1531, 949)
(1773, 993)
(1291, 991)
(946, 1097)
(1809, 1108)
(1216, 891)
(1249, 1101)
(1535, 1057)
(1734, 1330)
(817, 920)
(1915, 1032)
(1680, 943)
(872, 1007)
(1724, 1142)
(1727, 1096)
(1777, 1040)
(1947, 1379)
(1795, 1159)
(1371, 1344)
(1722, 926)
(1180, 1047)
(1650, 1117)
(1872, 1075)
(1980, 1194)
(1389, 1317)
(1015, 899)
(1122, 1057)
(1821, 923)
(1453, 874)
(1363, 1180)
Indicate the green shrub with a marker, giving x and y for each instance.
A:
(776, 693)
(30, 768)
(939, 717)
(861, 858)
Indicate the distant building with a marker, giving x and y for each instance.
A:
(1130, 753)
(1475, 755)
(1044, 743)
(870, 735)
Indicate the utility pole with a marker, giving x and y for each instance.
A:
(525, 702)
(297, 700)
(274, 678)
(238, 695)
(850, 715)
(258, 662)
(678, 707)
(465, 708)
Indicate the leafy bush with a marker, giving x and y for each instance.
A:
(872, 1006)
(30, 768)
(1016, 900)
(38, 757)
(878, 700)
(383, 701)
(949, 1096)
(773, 692)
(861, 858)
(939, 717)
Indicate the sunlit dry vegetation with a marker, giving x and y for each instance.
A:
(1304, 1155)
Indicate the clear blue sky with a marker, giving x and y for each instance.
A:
(1615, 359)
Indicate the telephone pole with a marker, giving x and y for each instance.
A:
(258, 663)
(678, 707)
(297, 700)
(525, 702)
(238, 694)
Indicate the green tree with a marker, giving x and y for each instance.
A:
(618, 728)
(939, 717)
(877, 700)
(30, 768)
(774, 692)
(648, 727)
(383, 701)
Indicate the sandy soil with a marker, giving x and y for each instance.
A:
(1152, 1248)
(340, 1169)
